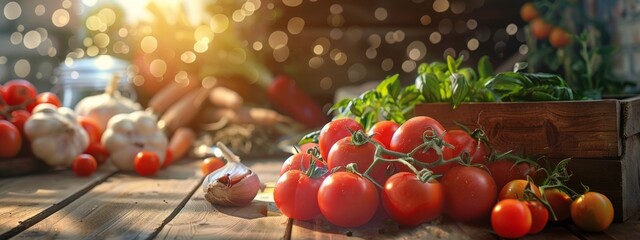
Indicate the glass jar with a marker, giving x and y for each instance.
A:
(80, 78)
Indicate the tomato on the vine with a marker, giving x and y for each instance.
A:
(511, 218)
(211, 164)
(559, 38)
(469, 193)
(592, 212)
(515, 190)
(505, 171)
(305, 147)
(47, 97)
(528, 12)
(540, 28)
(539, 216)
(412, 133)
(463, 142)
(11, 139)
(347, 199)
(347, 150)
(296, 195)
(84, 165)
(19, 91)
(411, 202)
(334, 131)
(560, 203)
(299, 161)
(383, 132)
(146, 163)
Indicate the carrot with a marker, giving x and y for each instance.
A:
(243, 115)
(182, 112)
(225, 98)
(162, 100)
(181, 141)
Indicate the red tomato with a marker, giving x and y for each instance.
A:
(504, 171)
(334, 131)
(168, 158)
(296, 195)
(383, 132)
(92, 127)
(469, 193)
(345, 152)
(19, 91)
(11, 140)
(18, 117)
(147, 163)
(411, 134)
(560, 203)
(347, 200)
(511, 218)
(528, 12)
(299, 161)
(98, 151)
(305, 147)
(592, 212)
(211, 164)
(45, 97)
(539, 216)
(540, 28)
(515, 190)
(411, 202)
(84, 165)
(559, 38)
(462, 141)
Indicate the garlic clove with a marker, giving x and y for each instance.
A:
(233, 185)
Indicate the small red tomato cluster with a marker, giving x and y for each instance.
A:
(417, 172)
(18, 97)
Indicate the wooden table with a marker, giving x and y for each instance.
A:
(112, 204)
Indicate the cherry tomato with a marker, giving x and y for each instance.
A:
(539, 216)
(511, 218)
(345, 152)
(147, 163)
(383, 132)
(305, 147)
(560, 203)
(18, 117)
(334, 131)
(98, 151)
(515, 190)
(299, 161)
(592, 212)
(540, 28)
(347, 200)
(11, 140)
(168, 158)
(411, 134)
(296, 195)
(559, 38)
(469, 193)
(84, 165)
(92, 127)
(528, 12)
(45, 97)
(463, 142)
(19, 91)
(411, 202)
(211, 164)
(504, 171)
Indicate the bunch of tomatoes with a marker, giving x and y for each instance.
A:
(417, 172)
(541, 29)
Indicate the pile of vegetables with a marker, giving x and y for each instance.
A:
(418, 172)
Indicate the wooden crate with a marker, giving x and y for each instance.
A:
(602, 137)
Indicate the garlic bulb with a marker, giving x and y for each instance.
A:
(106, 105)
(233, 185)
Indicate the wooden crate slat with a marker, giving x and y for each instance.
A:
(260, 220)
(26, 200)
(581, 129)
(127, 206)
(631, 113)
(631, 176)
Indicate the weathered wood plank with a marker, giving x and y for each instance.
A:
(630, 114)
(579, 129)
(127, 206)
(631, 177)
(261, 220)
(25, 201)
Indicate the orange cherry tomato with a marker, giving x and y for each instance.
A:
(559, 38)
(515, 190)
(540, 28)
(211, 164)
(592, 212)
(84, 165)
(528, 12)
